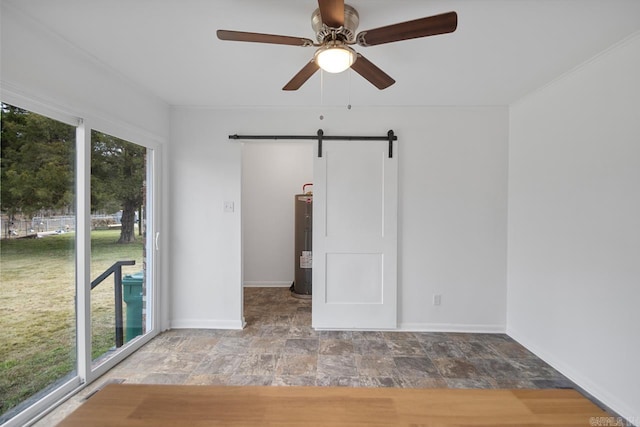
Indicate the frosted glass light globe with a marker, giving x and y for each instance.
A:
(335, 59)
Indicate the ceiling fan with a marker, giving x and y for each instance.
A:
(335, 25)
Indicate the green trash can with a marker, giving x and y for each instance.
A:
(132, 295)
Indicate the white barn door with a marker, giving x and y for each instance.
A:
(355, 236)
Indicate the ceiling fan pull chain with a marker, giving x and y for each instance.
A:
(321, 87)
(321, 93)
(349, 100)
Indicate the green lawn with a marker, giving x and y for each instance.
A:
(37, 310)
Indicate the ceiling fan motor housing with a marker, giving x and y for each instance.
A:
(346, 33)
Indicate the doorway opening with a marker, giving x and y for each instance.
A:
(273, 173)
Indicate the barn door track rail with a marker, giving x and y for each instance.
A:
(320, 136)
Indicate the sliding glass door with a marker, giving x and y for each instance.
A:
(76, 271)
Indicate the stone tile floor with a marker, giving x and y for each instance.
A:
(278, 347)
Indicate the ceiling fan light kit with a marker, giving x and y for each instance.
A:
(335, 25)
(335, 57)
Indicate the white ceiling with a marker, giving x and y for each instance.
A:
(502, 49)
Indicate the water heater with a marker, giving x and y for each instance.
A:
(303, 227)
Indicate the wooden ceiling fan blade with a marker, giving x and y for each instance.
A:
(372, 73)
(242, 36)
(332, 12)
(302, 76)
(423, 27)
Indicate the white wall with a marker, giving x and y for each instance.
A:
(42, 66)
(272, 172)
(452, 231)
(574, 226)
(205, 241)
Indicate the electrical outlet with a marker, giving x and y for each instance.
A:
(437, 299)
(228, 206)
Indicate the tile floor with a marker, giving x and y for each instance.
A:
(278, 347)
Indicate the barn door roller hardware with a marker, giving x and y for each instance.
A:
(320, 136)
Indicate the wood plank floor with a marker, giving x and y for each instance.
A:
(177, 405)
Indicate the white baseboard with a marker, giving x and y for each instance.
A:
(268, 284)
(451, 327)
(582, 380)
(206, 324)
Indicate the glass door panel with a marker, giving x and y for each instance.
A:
(37, 262)
(118, 235)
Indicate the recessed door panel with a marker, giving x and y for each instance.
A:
(354, 278)
(356, 188)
